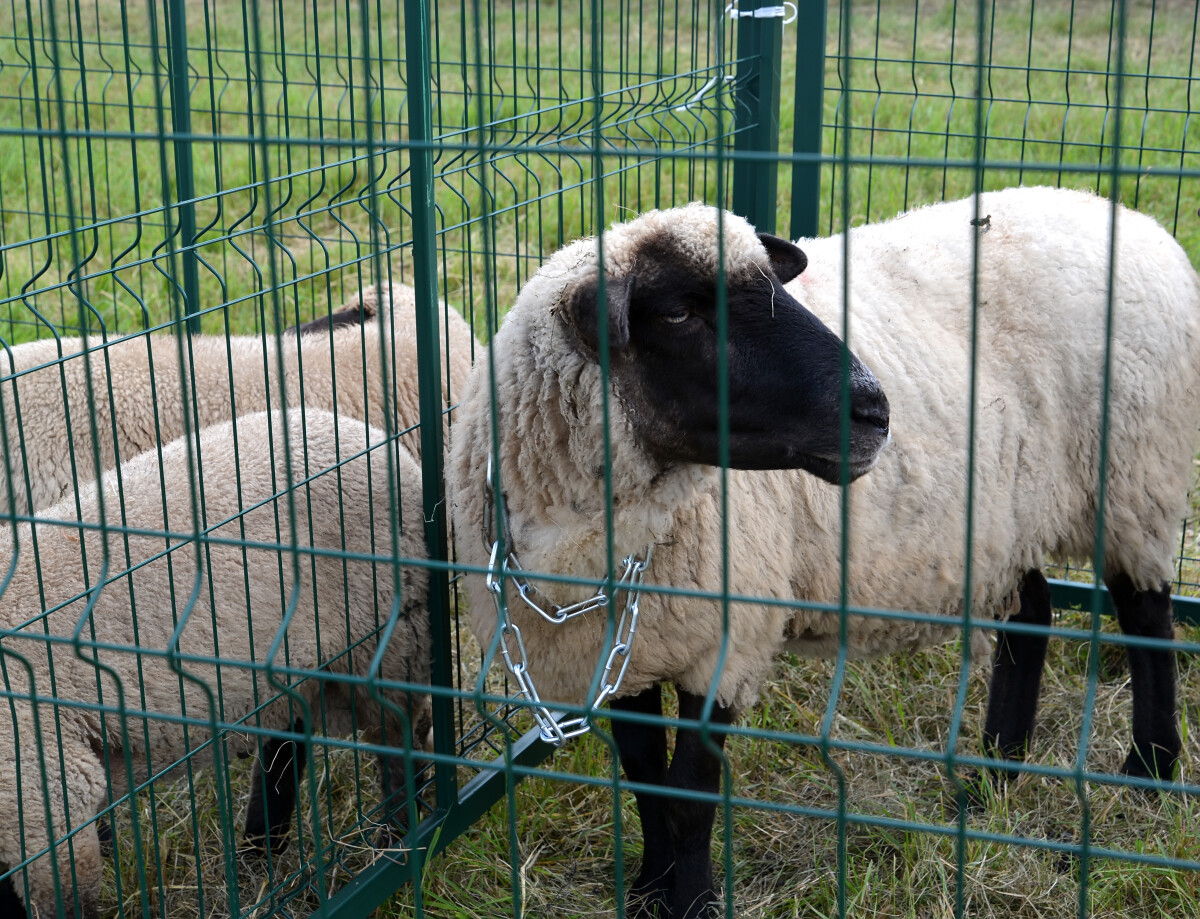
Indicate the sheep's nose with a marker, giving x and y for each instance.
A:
(871, 409)
(869, 405)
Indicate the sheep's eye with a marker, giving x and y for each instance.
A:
(676, 318)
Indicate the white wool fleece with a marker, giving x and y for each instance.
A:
(1040, 332)
(232, 605)
(234, 376)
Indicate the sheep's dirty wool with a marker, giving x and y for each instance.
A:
(1041, 278)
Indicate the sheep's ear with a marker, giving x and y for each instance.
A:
(349, 316)
(787, 259)
(583, 313)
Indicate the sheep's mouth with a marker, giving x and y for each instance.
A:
(864, 453)
(761, 451)
(830, 470)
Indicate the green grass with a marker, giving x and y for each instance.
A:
(308, 234)
(316, 206)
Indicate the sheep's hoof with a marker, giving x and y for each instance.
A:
(651, 904)
(706, 906)
(983, 786)
(649, 898)
(391, 841)
(981, 789)
(255, 848)
(1155, 763)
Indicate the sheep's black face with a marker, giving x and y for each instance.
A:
(783, 367)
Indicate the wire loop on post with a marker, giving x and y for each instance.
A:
(763, 12)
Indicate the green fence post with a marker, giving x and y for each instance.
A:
(185, 187)
(424, 228)
(810, 111)
(759, 50)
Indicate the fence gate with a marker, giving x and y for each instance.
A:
(181, 183)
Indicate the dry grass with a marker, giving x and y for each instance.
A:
(183, 867)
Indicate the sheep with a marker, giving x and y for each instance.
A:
(56, 618)
(1041, 332)
(53, 443)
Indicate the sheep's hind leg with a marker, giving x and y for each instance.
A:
(273, 793)
(1017, 664)
(642, 749)
(1147, 614)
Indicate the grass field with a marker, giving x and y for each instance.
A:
(294, 210)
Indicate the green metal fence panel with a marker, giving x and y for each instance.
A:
(809, 98)
(180, 183)
(760, 46)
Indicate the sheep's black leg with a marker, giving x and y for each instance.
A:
(695, 767)
(676, 879)
(642, 749)
(274, 792)
(10, 903)
(1147, 614)
(393, 775)
(394, 769)
(104, 834)
(1017, 675)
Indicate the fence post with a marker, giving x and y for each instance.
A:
(756, 119)
(185, 187)
(429, 378)
(810, 110)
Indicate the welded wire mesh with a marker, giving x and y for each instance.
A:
(235, 168)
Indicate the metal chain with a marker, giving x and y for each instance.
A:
(554, 728)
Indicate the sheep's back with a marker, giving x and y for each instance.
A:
(131, 392)
(1041, 330)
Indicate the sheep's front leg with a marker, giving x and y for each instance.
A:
(676, 881)
(396, 768)
(695, 766)
(10, 903)
(273, 793)
(1147, 614)
(1017, 665)
(642, 749)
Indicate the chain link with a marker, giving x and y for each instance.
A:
(554, 727)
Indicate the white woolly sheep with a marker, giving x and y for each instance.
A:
(238, 375)
(1040, 331)
(234, 607)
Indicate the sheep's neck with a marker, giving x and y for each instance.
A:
(576, 536)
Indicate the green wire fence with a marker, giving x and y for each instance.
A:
(226, 169)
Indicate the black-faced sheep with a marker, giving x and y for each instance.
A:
(236, 376)
(138, 646)
(1041, 336)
